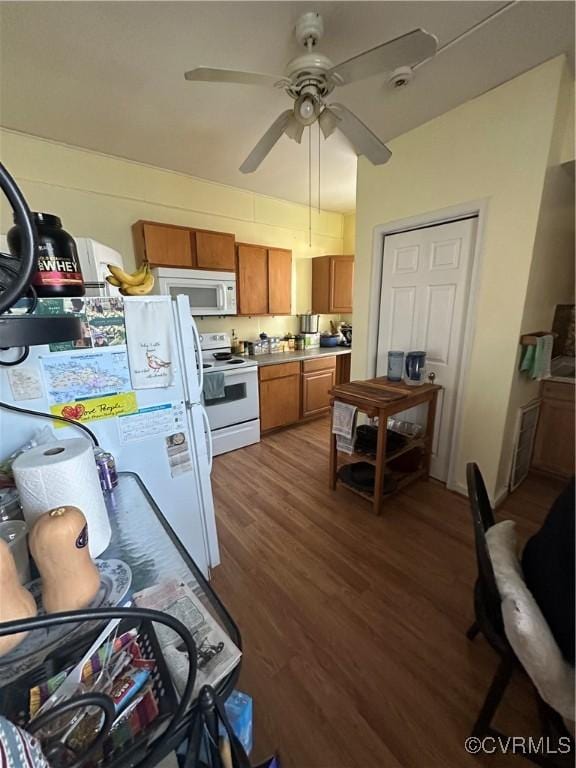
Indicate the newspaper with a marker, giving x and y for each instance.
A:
(216, 654)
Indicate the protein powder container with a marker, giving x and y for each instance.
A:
(58, 270)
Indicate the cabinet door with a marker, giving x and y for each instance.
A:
(252, 280)
(279, 282)
(316, 391)
(279, 402)
(341, 283)
(167, 246)
(554, 447)
(321, 285)
(215, 250)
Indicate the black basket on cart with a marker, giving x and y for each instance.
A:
(104, 749)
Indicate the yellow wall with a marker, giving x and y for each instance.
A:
(101, 197)
(349, 233)
(551, 279)
(494, 148)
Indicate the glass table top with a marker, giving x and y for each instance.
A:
(143, 539)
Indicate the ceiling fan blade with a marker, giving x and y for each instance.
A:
(328, 121)
(360, 136)
(209, 75)
(294, 129)
(403, 51)
(266, 142)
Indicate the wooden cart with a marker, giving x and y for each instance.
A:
(380, 398)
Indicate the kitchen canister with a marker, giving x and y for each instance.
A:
(63, 473)
(395, 366)
(415, 368)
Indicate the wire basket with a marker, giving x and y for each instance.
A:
(120, 747)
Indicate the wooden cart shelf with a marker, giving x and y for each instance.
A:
(411, 445)
(402, 481)
(380, 398)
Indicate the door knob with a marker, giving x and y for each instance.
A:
(431, 377)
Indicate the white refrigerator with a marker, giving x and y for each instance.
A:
(162, 434)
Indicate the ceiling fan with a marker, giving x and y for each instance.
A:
(311, 77)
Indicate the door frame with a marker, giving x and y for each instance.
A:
(440, 216)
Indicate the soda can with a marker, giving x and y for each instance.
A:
(106, 470)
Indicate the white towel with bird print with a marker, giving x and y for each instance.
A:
(149, 341)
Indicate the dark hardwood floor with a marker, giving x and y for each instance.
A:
(353, 625)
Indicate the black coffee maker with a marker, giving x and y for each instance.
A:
(346, 331)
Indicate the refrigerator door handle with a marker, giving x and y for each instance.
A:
(198, 353)
(208, 438)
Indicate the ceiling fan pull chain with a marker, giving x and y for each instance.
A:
(319, 167)
(310, 186)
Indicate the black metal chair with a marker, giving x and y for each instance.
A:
(487, 607)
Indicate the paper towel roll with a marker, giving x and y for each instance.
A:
(63, 473)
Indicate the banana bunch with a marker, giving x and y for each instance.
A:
(137, 283)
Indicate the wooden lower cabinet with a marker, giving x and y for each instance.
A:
(554, 445)
(279, 395)
(315, 391)
(291, 392)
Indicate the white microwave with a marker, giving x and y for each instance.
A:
(209, 293)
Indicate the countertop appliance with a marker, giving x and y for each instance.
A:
(309, 323)
(208, 293)
(168, 420)
(231, 400)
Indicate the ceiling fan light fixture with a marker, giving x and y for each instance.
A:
(306, 108)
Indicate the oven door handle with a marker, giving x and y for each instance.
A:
(238, 371)
(208, 434)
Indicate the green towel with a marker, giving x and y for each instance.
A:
(543, 357)
(528, 359)
(536, 358)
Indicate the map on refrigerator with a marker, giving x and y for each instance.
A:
(79, 376)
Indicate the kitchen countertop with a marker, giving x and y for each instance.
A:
(302, 354)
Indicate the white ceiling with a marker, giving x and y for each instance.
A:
(108, 76)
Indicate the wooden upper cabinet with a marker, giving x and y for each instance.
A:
(279, 282)
(341, 283)
(264, 280)
(168, 245)
(252, 280)
(215, 250)
(332, 284)
(162, 245)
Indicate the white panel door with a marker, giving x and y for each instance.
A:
(425, 287)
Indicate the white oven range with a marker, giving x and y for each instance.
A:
(230, 394)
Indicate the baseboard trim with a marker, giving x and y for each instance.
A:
(458, 488)
(501, 494)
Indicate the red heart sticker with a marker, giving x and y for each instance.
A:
(73, 411)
